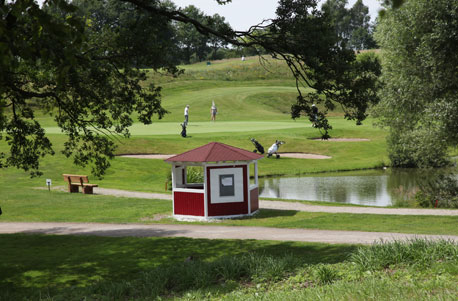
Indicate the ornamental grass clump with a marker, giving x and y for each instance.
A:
(194, 274)
(325, 274)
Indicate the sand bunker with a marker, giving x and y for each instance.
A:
(343, 139)
(286, 155)
(303, 156)
(151, 156)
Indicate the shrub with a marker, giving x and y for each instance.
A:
(438, 191)
(416, 148)
(194, 174)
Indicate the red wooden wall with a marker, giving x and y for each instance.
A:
(188, 203)
(254, 199)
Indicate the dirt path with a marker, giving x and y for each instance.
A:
(211, 232)
(279, 205)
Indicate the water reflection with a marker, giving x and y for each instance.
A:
(374, 187)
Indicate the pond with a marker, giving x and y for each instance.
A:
(370, 187)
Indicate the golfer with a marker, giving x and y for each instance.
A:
(186, 115)
(315, 112)
(213, 111)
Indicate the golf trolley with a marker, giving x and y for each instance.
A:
(274, 148)
(259, 147)
(183, 130)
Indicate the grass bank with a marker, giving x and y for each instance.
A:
(185, 269)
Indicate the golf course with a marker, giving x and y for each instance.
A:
(253, 99)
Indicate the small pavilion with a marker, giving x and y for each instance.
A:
(227, 190)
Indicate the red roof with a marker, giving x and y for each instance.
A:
(214, 152)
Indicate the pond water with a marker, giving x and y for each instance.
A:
(371, 187)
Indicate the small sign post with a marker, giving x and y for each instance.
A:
(48, 182)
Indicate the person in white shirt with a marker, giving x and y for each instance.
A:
(186, 114)
(213, 111)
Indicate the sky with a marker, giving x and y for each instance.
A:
(241, 14)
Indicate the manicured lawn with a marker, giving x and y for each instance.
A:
(352, 222)
(42, 206)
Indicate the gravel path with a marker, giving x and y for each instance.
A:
(211, 232)
(279, 205)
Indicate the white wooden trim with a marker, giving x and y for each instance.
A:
(205, 192)
(185, 178)
(256, 173)
(252, 186)
(228, 163)
(210, 218)
(174, 180)
(247, 185)
(189, 190)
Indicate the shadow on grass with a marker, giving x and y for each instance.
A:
(53, 261)
(270, 213)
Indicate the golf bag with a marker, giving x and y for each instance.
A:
(183, 130)
(274, 148)
(259, 147)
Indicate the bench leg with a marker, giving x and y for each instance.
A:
(88, 190)
(72, 188)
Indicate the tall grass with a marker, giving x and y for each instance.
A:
(416, 252)
(168, 280)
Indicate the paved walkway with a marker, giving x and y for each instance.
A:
(278, 205)
(212, 232)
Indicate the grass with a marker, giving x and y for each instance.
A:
(417, 252)
(150, 268)
(42, 206)
(252, 102)
(39, 261)
(249, 105)
(150, 175)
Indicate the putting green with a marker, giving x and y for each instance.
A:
(173, 128)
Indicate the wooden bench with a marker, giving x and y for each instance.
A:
(75, 181)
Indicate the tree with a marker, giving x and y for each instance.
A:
(305, 39)
(352, 25)
(419, 100)
(191, 42)
(219, 23)
(360, 27)
(341, 18)
(51, 61)
(195, 45)
(89, 79)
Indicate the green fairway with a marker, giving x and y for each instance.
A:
(173, 128)
(344, 129)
